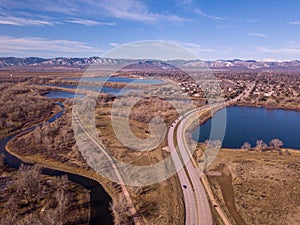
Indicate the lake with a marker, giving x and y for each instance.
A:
(251, 124)
(121, 80)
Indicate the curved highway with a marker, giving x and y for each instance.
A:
(197, 208)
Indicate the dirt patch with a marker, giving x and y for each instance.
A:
(225, 182)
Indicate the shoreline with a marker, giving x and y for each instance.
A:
(266, 107)
(291, 150)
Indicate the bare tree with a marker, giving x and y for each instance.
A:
(31, 219)
(28, 183)
(121, 211)
(246, 146)
(276, 144)
(1, 161)
(50, 218)
(41, 208)
(48, 142)
(55, 216)
(138, 190)
(64, 132)
(8, 219)
(214, 144)
(37, 135)
(260, 145)
(10, 214)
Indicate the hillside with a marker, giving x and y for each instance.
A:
(83, 63)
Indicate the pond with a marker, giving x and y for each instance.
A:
(62, 94)
(251, 124)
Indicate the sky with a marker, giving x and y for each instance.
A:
(211, 29)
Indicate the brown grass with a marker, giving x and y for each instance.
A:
(257, 187)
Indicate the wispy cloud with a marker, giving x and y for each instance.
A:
(290, 50)
(68, 7)
(287, 50)
(293, 44)
(17, 21)
(114, 44)
(128, 9)
(201, 13)
(260, 35)
(182, 2)
(194, 47)
(198, 49)
(294, 22)
(251, 20)
(87, 22)
(43, 47)
(222, 26)
(135, 10)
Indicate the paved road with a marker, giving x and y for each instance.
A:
(197, 208)
(191, 216)
(203, 208)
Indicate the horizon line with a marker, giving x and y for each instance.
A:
(87, 57)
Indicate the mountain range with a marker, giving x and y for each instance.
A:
(83, 63)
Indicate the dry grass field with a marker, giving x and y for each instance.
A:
(257, 187)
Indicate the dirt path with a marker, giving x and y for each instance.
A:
(225, 182)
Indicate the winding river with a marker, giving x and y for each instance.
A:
(99, 199)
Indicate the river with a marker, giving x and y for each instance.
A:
(99, 199)
(62, 94)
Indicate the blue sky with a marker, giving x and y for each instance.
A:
(212, 29)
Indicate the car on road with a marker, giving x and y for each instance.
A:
(184, 186)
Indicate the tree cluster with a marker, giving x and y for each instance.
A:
(54, 141)
(275, 144)
(18, 107)
(34, 200)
